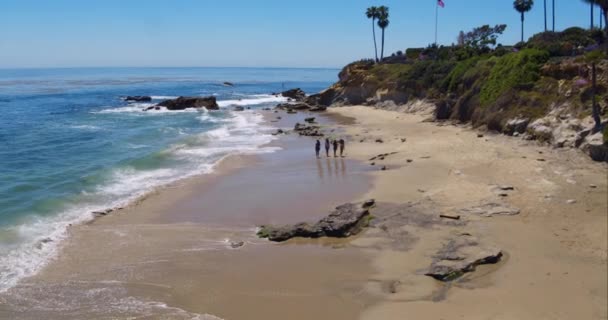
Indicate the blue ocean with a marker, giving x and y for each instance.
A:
(70, 145)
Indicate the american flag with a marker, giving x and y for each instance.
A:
(441, 3)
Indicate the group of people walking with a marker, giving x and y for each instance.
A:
(328, 144)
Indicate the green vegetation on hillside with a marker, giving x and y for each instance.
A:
(484, 82)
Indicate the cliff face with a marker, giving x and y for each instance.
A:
(526, 93)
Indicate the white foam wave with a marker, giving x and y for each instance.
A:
(140, 108)
(252, 100)
(163, 97)
(86, 127)
(240, 133)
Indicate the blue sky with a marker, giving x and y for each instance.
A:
(270, 33)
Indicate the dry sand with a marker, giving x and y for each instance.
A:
(169, 257)
(555, 265)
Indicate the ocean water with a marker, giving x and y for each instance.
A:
(70, 145)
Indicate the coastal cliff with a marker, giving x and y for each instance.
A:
(541, 90)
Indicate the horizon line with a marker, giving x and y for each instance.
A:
(161, 67)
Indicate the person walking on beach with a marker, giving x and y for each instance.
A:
(335, 148)
(341, 148)
(318, 147)
(327, 146)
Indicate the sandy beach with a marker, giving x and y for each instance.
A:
(177, 253)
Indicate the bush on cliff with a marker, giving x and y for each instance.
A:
(518, 70)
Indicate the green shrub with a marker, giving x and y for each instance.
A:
(518, 70)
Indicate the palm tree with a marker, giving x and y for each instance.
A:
(553, 13)
(523, 6)
(545, 11)
(603, 4)
(372, 13)
(383, 24)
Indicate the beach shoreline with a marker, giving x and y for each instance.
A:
(174, 219)
(174, 252)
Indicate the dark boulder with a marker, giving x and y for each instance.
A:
(347, 220)
(138, 98)
(182, 103)
(318, 109)
(323, 98)
(296, 94)
(228, 84)
(310, 120)
(309, 130)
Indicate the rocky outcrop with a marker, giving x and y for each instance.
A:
(138, 98)
(596, 147)
(182, 103)
(516, 126)
(346, 220)
(296, 94)
(309, 130)
(460, 255)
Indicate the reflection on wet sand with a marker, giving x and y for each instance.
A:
(335, 167)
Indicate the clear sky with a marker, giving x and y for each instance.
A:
(269, 33)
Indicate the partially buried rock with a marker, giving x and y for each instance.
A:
(460, 255)
(181, 103)
(310, 120)
(236, 244)
(346, 220)
(492, 209)
(239, 108)
(138, 98)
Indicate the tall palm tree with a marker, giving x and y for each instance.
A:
(383, 24)
(591, 4)
(603, 4)
(545, 11)
(553, 13)
(372, 13)
(523, 6)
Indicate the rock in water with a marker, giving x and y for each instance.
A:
(138, 98)
(347, 220)
(229, 84)
(296, 94)
(461, 255)
(182, 103)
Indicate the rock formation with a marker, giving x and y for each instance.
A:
(347, 220)
(138, 98)
(296, 94)
(460, 255)
(182, 103)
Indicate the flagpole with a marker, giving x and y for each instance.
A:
(436, 19)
